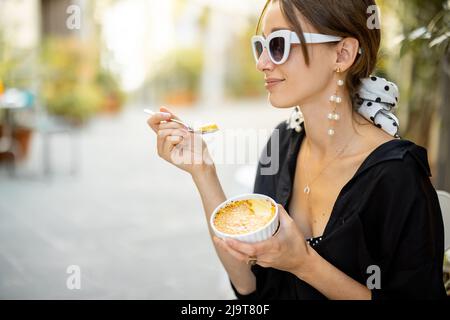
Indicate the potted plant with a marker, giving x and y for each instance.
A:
(13, 62)
(70, 87)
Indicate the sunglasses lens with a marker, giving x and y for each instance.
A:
(258, 49)
(276, 47)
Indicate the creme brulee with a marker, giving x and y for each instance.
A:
(244, 216)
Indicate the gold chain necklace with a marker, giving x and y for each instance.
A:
(307, 188)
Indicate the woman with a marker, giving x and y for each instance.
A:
(360, 218)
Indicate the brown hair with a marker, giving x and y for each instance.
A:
(344, 18)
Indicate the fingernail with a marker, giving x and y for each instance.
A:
(165, 114)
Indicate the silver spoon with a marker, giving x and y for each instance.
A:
(205, 129)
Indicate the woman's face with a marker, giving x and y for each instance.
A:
(294, 83)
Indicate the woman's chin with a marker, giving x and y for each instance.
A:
(279, 102)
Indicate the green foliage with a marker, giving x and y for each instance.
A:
(109, 85)
(430, 37)
(68, 86)
(179, 71)
(14, 64)
(74, 86)
(425, 27)
(77, 104)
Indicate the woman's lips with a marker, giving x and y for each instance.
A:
(270, 83)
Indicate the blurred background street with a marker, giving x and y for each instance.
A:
(132, 222)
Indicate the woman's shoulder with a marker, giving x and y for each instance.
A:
(397, 182)
(398, 155)
(401, 163)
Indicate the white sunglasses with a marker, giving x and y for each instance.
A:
(278, 44)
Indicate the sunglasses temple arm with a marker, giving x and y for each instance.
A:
(315, 38)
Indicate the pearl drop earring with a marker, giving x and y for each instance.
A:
(336, 99)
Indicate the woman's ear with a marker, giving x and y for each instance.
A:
(346, 52)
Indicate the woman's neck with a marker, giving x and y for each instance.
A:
(317, 124)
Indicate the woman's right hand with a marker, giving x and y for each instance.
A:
(188, 152)
(177, 145)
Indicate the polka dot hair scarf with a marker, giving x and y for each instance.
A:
(375, 101)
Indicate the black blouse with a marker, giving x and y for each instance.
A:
(387, 215)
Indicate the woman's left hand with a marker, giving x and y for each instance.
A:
(287, 250)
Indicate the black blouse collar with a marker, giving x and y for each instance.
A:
(391, 150)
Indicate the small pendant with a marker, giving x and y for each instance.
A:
(306, 190)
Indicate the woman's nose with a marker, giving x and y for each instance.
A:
(264, 62)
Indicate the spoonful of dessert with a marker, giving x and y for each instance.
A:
(204, 129)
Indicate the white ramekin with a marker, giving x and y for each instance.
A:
(261, 234)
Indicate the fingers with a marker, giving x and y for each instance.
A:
(168, 146)
(251, 249)
(166, 133)
(285, 218)
(174, 139)
(239, 255)
(155, 120)
(236, 254)
(164, 115)
(168, 139)
(170, 125)
(287, 224)
(281, 210)
(164, 109)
